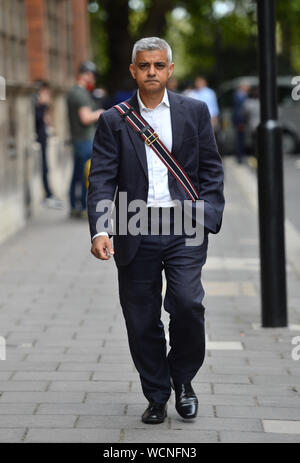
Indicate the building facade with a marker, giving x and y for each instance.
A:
(39, 39)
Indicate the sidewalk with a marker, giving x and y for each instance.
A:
(68, 374)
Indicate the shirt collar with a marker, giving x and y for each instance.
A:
(165, 101)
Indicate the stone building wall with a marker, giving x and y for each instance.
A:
(36, 42)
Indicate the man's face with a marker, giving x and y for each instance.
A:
(90, 81)
(44, 96)
(245, 87)
(151, 70)
(200, 83)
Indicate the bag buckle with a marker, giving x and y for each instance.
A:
(151, 139)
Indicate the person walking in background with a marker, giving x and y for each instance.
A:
(123, 162)
(42, 100)
(102, 98)
(82, 118)
(173, 84)
(202, 92)
(239, 118)
(251, 113)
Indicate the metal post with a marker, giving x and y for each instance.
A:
(270, 177)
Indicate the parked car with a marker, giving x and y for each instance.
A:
(288, 115)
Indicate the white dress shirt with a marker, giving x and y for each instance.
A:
(160, 120)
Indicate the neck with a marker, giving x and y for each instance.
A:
(153, 99)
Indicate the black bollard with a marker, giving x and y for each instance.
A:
(270, 177)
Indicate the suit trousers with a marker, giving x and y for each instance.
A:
(140, 292)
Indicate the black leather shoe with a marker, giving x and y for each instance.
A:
(186, 402)
(155, 413)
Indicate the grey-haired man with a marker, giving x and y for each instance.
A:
(121, 162)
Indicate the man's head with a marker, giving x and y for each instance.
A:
(43, 91)
(200, 82)
(173, 84)
(87, 75)
(244, 86)
(151, 65)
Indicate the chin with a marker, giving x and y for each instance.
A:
(152, 87)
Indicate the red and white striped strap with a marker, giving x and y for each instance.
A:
(151, 138)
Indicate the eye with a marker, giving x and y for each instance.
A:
(160, 65)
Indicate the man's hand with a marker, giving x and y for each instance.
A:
(102, 247)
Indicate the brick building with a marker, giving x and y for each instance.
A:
(39, 39)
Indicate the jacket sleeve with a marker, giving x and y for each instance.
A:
(103, 175)
(211, 174)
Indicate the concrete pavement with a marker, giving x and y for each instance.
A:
(68, 374)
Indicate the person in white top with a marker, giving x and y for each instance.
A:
(203, 93)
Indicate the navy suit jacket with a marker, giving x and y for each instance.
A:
(119, 164)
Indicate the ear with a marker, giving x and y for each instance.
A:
(171, 70)
(132, 70)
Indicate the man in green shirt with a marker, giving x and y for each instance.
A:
(82, 118)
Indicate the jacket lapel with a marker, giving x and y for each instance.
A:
(136, 139)
(177, 121)
(177, 118)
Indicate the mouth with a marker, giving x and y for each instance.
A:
(152, 81)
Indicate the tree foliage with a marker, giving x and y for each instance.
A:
(218, 39)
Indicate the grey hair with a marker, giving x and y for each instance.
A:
(151, 43)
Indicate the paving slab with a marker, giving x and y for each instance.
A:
(69, 376)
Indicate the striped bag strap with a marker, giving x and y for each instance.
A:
(151, 138)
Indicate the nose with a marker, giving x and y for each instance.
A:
(151, 70)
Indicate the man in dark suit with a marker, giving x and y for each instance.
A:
(122, 163)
